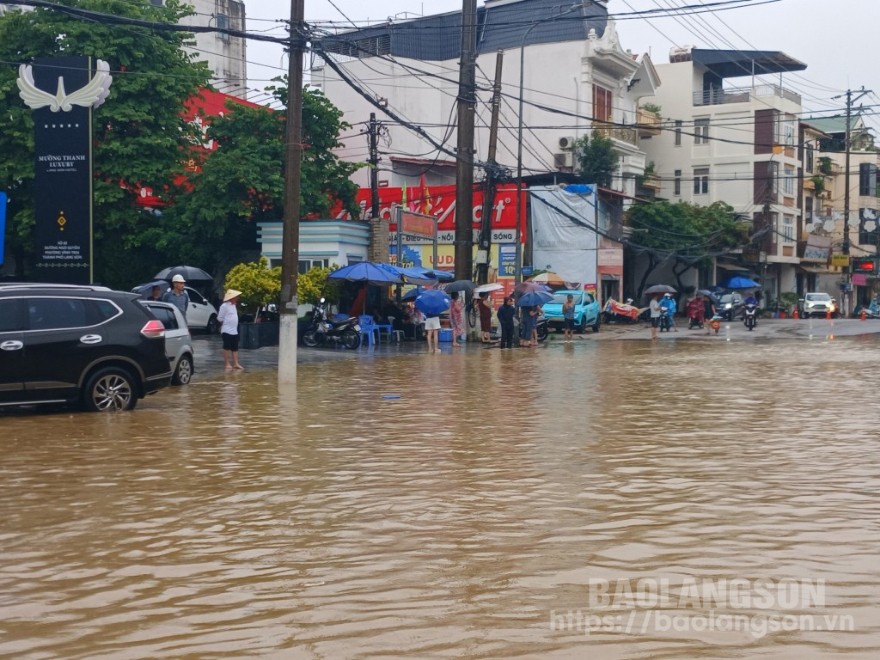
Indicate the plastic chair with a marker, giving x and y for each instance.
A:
(368, 327)
(387, 328)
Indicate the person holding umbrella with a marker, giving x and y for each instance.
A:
(655, 314)
(432, 303)
(456, 318)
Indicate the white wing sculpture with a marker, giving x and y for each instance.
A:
(93, 93)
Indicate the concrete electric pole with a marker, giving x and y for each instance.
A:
(464, 178)
(287, 339)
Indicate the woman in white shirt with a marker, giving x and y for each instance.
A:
(228, 318)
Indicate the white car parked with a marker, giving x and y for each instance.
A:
(200, 315)
(178, 341)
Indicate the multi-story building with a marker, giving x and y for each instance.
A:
(564, 76)
(576, 79)
(735, 144)
(863, 219)
(226, 55)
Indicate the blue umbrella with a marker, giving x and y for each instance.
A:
(366, 272)
(144, 290)
(534, 298)
(412, 294)
(738, 282)
(432, 302)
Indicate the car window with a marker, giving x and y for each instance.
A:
(587, 299)
(55, 313)
(560, 298)
(10, 315)
(195, 296)
(818, 296)
(101, 310)
(169, 320)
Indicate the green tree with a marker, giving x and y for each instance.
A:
(313, 285)
(259, 284)
(686, 234)
(242, 182)
(596, 159)
(139, 132)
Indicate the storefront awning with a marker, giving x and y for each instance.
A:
(610, 278)
(817, 270)
(733, 267)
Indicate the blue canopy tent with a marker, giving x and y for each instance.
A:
(367, 273)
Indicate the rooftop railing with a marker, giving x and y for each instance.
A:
(743, 94)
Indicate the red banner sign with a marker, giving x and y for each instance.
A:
(439, 201)
(415, 224)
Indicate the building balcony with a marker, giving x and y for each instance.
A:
(628, 135)
(743, 95)
(648, 123)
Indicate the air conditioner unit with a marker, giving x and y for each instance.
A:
(563, 160)
(566, 143)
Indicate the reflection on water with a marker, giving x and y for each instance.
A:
(226, 519)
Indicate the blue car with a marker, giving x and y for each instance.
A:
(586, 310)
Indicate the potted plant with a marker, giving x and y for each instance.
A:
(788, 301)
(260, 288)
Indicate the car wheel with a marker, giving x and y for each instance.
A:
(111, 388)
(213, 325)
(582, 326)
(183, 373)
(595, 326)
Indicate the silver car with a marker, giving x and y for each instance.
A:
(178, 341)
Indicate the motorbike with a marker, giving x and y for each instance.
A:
(324, 331)
(665, 320)
(750, 316)
(543, 327)
(696, 311)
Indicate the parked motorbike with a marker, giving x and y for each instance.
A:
(323, 330)
(750, 316)
(543, 328)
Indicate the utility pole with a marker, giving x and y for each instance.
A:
(847, 293)
(464, 177)
(376, 242)
(292, 172)
(491, 175)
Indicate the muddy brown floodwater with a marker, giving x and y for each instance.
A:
(508, 504)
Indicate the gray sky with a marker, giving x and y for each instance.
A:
(836, 39)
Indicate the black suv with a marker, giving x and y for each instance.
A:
(78, 344)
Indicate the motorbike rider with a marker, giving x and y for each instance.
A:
(751, 300)
(668, 303)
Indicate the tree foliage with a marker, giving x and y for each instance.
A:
(313, 285)
(242, 182)
(596, 159)
(138, 132)
(141, 138)
(259, 284)
(687, 234)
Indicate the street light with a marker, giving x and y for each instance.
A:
(519, 150)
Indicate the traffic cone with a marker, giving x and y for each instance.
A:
(863, 315)
(827, 314)
(795, 314)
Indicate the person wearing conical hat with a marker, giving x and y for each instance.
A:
(228, 318)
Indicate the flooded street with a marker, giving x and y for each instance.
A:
(456, 505)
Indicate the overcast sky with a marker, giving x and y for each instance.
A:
(836, 39)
